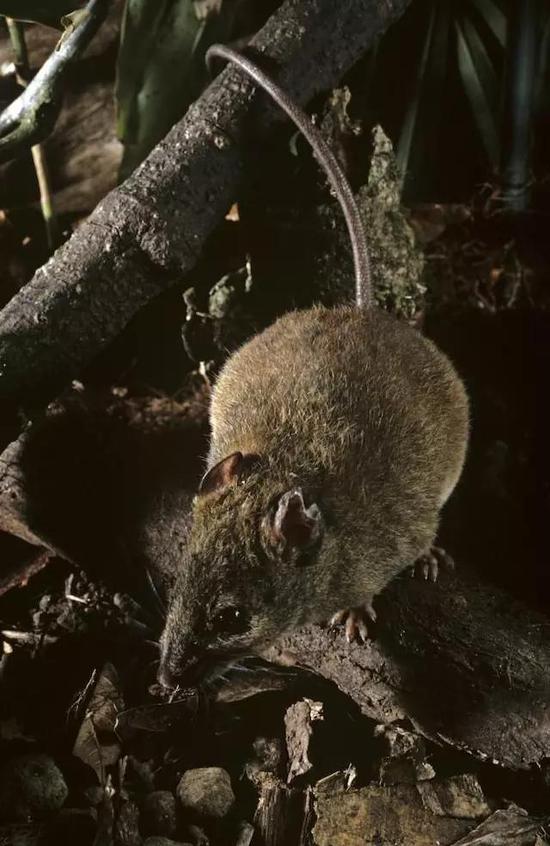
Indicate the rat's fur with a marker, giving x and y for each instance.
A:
(370, 421)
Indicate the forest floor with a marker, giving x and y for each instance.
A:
(92, 749)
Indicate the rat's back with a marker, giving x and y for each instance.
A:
(344, 397)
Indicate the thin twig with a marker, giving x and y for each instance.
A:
(17, 38)
(156, 223)
(32, 116)
(519, 90)
(46, 201)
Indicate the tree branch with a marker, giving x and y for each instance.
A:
(462, 659)
(110, 486)
(157, 222)
(32, 116)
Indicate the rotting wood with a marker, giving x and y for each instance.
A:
(282, 814)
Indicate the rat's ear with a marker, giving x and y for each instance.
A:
(226, 472)
(293, 524)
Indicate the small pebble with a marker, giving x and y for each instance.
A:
(72, 826)
(94, 794)
(245, 835)
(22, 835)
(158, 813)
(197, 836)
(45, 602)
(207, 791)
(31, 786)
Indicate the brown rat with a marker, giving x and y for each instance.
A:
(337, 436)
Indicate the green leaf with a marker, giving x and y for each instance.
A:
(494, 17)
(406, 135)
(47, 12)
(543, 85)
(161, 66)
(204, 8)
(481, 60)
(480, 84)
(424, 108)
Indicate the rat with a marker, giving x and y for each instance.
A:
(337, 435)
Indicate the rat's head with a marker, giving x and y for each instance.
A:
(243, 575)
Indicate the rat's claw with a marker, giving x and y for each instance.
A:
(356, 628)
(427, 566)
(355, 622)
(337, 619)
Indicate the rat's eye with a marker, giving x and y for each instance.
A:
(230, 620)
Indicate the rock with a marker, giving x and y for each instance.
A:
(267, 757)
(282, 814)
(21, 835)
(163, 841)
(299, 720)
(512, 827)
(403, 756)
(338, 781)
(139, 774)
(382, 815)
(245, 834)
(197, 836)
(158, 813)
(94, 794)
(459, 796)
(31, 786)
(126, 828)
(72, 825)
(207, 791)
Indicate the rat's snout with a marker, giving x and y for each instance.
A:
(164, 676)
(177, 661)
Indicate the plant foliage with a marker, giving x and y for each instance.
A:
(161, 66)
(48, 12)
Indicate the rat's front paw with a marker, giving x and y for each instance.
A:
(355, 621)
(427, 566)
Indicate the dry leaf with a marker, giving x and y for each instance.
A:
(96, 743)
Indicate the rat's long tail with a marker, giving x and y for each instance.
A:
(326, 159)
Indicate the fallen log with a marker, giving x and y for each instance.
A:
(462, 660)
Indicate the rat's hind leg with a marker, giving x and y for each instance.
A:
(355, 621)
(427, 566)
